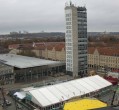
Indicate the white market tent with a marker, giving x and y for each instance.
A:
(61, 92)
(20, 95)
(20, 61)
(27, 89)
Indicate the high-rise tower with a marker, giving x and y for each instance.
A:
(76, 40)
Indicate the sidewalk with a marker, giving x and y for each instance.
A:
(1, 108)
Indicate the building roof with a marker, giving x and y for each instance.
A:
(20, 95)
(40, 46)
(60, 46)
(84, 104)
(57, 93)
(13, 46)
(91, 50)
(20, 46)
(24, 61)
(50, 46)
(104, 51)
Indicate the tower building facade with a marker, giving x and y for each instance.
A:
(76, 40)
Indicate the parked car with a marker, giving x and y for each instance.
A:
(10, 93)
(8, 103)
(19, 106)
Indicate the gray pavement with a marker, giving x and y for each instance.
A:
(43, 82)
(1, 108)
(106, 97)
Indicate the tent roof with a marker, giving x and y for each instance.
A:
(20, 95)
(53, 94)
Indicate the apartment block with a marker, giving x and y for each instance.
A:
(76, 40)
(103, 58)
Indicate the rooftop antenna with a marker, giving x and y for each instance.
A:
(66, 4)
(84, 5)
(70, 3)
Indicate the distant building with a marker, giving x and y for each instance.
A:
(76, 40)
(13, 33)
(98, 58)
(20, 46)
(46, 50)
(103, 59)
(3, 50)
(19, 32)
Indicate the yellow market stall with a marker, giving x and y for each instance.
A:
(84, 104)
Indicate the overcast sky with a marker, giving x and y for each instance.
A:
(48, 15)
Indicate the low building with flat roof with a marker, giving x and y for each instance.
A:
(30, 68)
(6, 74)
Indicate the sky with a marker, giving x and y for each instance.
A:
(49, 16)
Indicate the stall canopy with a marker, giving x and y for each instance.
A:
(20, 95)
(84, 104)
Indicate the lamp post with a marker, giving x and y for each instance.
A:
(15, 101)
(95, 68)
(115, 91)
(30, 74)
(105, 70)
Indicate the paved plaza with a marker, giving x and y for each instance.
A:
(46, 81)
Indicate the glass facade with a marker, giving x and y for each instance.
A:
(82, 40)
